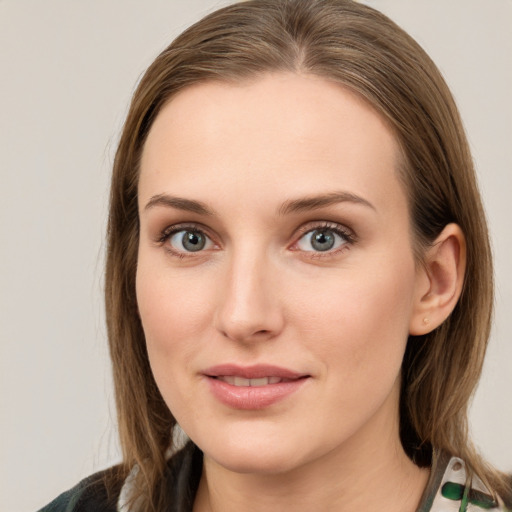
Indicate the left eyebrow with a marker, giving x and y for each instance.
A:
(320, 201)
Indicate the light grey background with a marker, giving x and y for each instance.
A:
(68, 69)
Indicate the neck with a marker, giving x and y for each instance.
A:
(360, 475)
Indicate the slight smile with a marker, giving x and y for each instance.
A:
(254, 387)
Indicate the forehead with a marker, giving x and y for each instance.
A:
(299, 131)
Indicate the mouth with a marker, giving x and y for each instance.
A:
(253, 388)
(233, 380)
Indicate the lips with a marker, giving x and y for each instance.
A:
(242, 381)
(252, 387)
(252, 372)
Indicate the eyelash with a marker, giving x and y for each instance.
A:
(343, 232)
(346, 234)
(168, 232)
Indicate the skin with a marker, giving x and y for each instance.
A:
(259, 292)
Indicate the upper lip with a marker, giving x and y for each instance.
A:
(256, 371)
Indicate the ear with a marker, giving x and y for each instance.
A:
(439, 281)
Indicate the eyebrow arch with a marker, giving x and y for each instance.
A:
(178, 203)
(315, 202)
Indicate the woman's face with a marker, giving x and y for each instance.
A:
(276, 280)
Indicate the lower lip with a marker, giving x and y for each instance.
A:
(253, 397)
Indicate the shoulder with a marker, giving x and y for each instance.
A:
(181, 480)
(96, 493)
(110, 490)
(449, 488)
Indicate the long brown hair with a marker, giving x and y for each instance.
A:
(361, 49)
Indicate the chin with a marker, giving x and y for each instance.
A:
(253, 460)
(249, 450)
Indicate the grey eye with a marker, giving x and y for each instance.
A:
(321, 240)
(189, 241)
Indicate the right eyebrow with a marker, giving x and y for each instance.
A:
(179, 203)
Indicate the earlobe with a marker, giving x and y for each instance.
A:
(439, 281)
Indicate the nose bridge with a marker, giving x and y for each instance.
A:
(248, 306)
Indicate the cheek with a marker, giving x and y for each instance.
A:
(359, 321)
(172, 321)
(174, 314)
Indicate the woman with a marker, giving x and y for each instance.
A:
(298, 274)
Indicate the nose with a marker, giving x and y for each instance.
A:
(249, 308)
